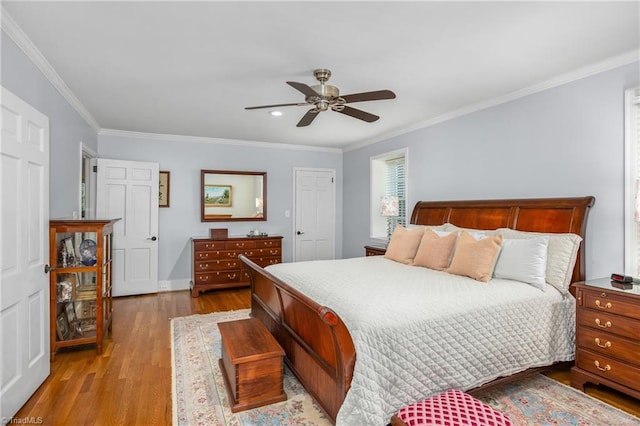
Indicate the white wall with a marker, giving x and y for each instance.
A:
(185, 158)
(564, 141)
(66, 128)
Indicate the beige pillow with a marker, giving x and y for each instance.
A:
(404, 244)
(475, 259)
(435, 251)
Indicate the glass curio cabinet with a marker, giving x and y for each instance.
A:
(81, 256)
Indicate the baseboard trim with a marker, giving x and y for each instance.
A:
(174, 285)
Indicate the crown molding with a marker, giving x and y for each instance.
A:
(218, 141)
(13, 30)
(598, 67)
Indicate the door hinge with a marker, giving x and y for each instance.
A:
(95, 169)
(331, 180)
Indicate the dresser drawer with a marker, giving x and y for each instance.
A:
(268, 243)
(208, 255)
(609, 368)
(217, 265)
(616, 324)
(275, 251)
(266, 261)
(609, 302)
(244, 244)
(216, 277)
(208, 245)
(609, 345)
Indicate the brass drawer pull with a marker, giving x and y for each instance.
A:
(240, 245)
(607, 306)
(231, 276)
(605, 325)
(605, 368)
(606, 345)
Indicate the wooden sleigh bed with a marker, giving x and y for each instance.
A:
(318, 346)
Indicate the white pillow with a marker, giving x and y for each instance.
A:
(523, 260)
(561, 255)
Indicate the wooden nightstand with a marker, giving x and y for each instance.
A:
(374, 251)
(607, 336)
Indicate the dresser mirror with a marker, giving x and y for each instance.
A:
(230, 196)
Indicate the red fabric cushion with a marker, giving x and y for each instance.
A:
(452, 408)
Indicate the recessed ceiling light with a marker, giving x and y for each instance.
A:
(275, 113)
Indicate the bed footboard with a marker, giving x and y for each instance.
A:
(319, 349)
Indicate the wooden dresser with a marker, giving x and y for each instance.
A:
(216, 264)
(607, 336)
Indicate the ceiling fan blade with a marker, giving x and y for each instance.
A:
(308, 91)
(308, 118)
(369, 96)
(358, 113)
(276, 105)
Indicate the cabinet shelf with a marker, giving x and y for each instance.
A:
(80, 295)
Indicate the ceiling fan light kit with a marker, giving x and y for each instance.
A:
(323, 97)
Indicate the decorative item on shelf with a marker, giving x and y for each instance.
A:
(88, 252)
(67, 253)
(389, 208)
(65, 290)
(62, 327)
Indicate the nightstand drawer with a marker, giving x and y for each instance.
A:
(609, 323)
(609, 345)
(608, 302)
(603, 366)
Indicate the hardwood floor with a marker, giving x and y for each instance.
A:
(130, 383)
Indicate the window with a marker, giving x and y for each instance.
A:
(388, 177)
(632, 182)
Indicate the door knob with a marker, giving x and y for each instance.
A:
(48, 269)
(299, 232)
(153, 238)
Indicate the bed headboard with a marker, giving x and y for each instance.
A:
(557, 215)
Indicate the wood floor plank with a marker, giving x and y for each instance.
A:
(130, 383)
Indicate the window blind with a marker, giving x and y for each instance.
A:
(395, 184)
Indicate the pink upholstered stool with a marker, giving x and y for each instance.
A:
(450, 408)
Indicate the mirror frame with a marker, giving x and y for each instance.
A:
(203, 218)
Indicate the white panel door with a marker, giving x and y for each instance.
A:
(24, 236)
(129, 190)
(314, 226)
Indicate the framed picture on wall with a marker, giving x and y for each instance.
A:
(163, 193)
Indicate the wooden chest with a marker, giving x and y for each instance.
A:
(607, 336)
(251, 364)
(216, 264)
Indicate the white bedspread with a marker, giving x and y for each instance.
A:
(418, 331)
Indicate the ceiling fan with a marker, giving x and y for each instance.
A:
(324, 96)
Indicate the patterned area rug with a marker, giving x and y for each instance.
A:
(199, 396)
